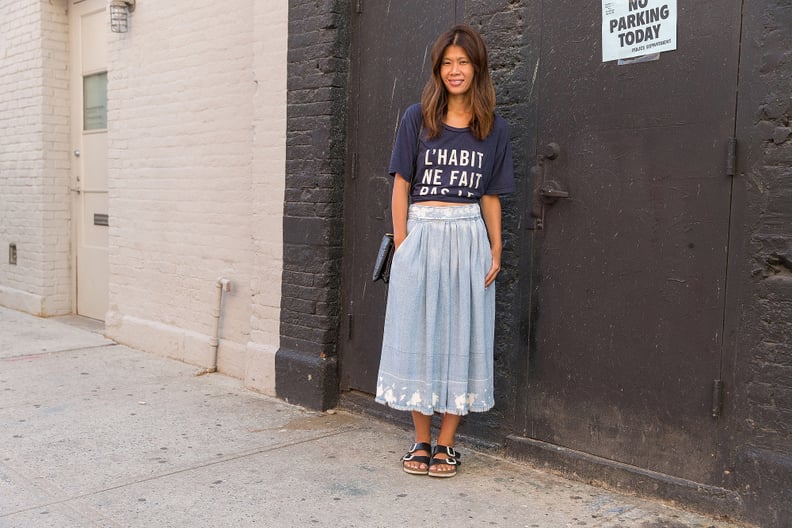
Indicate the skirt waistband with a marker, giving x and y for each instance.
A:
(449, 212)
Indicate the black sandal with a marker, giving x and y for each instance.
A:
(421, 459)
(451, 458)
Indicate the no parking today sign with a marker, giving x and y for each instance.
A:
(632, 28)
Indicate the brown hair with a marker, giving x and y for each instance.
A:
(434, 101)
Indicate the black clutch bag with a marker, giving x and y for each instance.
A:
(384, 256)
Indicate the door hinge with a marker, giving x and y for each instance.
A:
(349, 326)
(717, 397)
(359, 6)
(731, 157)
(355, 164)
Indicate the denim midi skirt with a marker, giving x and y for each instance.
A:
(437, 346)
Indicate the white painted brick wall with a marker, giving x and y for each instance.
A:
(197, 134)
(267, 189)
(34, 163)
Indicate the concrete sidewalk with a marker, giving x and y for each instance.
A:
(95, 434)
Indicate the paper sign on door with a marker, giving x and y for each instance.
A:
(632, 28)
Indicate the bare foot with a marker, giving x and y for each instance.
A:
(416, 461)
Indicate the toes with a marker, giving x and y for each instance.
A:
(442, 468)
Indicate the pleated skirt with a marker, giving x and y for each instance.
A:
(437, 346)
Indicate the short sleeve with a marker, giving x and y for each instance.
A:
(502, 180)
(405, 148)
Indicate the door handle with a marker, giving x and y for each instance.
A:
(550, 192)
(546, 191)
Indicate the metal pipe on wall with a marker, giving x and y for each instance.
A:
(221, 285)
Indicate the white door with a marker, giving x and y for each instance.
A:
(89, 29)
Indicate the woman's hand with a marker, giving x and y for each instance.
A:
(491, 212)
(493, 271)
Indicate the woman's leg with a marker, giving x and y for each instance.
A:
(448, 429)
(447, 437)
(423, 433)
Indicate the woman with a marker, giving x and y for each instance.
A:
(451, 159)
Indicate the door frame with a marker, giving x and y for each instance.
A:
(78, 8)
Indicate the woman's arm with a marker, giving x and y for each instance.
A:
(491, 212)
(399, 204)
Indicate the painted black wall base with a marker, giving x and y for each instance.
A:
(588, 468)
(306, 379)
(765, 480)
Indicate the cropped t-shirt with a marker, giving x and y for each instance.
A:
(454, 167)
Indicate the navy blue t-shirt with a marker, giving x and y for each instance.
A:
(454, 167)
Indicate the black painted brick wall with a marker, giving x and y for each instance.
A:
(318, 65)
(761, 266)
(313, 211)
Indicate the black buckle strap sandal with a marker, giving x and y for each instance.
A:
(421, 459)
(450, 458)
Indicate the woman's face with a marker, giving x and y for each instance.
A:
(456, 70)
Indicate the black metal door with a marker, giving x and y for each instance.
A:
(629, 270)
(391, 45)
